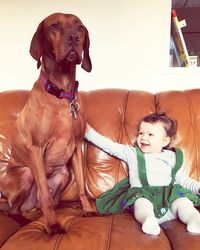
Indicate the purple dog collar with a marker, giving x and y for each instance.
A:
(54, 90)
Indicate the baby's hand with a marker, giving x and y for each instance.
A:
(88, 127)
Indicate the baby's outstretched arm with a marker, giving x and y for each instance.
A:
(106, 144)
(184, 180)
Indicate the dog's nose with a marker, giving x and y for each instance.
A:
(73, 38)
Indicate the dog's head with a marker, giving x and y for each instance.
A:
(63, 38)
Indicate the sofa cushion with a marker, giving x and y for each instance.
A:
(114, 113)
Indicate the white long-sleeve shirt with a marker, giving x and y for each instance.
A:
(158, 165)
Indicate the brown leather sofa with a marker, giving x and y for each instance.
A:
(115, 113)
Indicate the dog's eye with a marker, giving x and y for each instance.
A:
(56, 26)
(80, 28)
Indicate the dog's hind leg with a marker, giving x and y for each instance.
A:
(15, 186)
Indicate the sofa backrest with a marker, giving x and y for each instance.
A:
(116, 113)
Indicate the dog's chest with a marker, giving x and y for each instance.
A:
(59, 123)
(46, 120)
(52, 112)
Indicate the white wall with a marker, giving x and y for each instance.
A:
(129, 44)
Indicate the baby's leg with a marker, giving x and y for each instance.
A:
(187, 213)
(144, 214)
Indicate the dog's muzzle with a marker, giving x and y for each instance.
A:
(72, 56)
(70, 49)
(73, 41)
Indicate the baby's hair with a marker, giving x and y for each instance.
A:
(169, 125)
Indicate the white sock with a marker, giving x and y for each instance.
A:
(151, 226)
(193, 224)
(187, 213)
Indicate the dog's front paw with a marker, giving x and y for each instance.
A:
(88, 209)
(54, 229)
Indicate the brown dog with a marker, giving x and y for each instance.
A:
(50, 127)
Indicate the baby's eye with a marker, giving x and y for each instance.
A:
(150, 134)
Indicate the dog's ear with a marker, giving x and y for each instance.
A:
(36, 49)
(86, 63)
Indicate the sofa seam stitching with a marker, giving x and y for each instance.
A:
(122, 124)
(193, 130)
(108, 240)
(56, 245)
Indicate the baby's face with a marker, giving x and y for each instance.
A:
(152, 137)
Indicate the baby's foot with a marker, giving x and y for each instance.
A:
(193, 225)
(151, 226)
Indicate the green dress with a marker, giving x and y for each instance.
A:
(121, 196)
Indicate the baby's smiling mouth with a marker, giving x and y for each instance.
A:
(144, 144)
